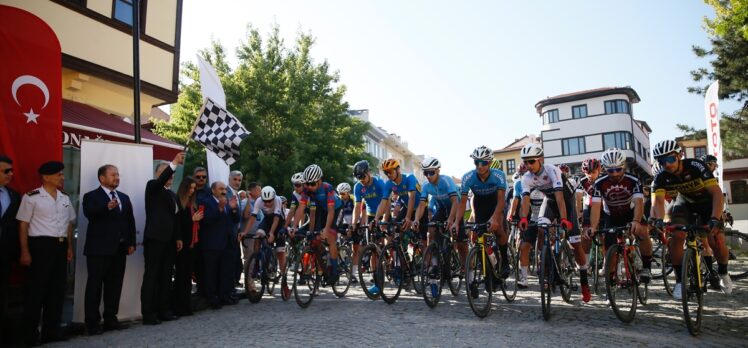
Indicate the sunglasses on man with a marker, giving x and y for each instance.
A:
(8, 171)
(360, 177)
(429, 172)
(311, 184)
(481, 163)
(530, 161)
(389, 172)
(297, 185)
(667, 160)
(201, 176)
(614, 170)
(268, 201)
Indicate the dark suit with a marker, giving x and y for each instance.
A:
(183, 267)
(159, 247)
(217, 242)
(110, 233)
(9, 253)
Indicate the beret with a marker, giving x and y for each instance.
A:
(51, 167)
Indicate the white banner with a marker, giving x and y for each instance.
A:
(135, 165)
(210, 86)
(713, 136)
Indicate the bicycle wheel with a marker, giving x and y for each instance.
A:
(288, 274)
(368, 277)
(253, 287)
(271, 273)
(738, 245)
(431, 278)
(595, 263)
(692, 295)
(416, 268)
(509, 285)
(642, 289)
(305, 279)
(455, 273)
(545, 275)
(478, 283)
(566, 268)
(668, 272)
(345, 271)
(392, 263)
(620, 284)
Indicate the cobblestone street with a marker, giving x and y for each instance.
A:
(357, 321)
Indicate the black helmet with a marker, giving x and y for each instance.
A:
(708, 159)
(360, 169)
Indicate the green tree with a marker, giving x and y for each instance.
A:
(729, 53)
(293, 106)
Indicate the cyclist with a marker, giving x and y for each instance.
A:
(584, 190)
(407, 188)
(618, 190)
(558, 204)
(346, 214)
(488, 187)
(272, 209)
(325, 207)
(368, 193)
(698, 193)
(711, 165)
(298, 187)
(530, 235)
(443, 192)
(566, 170)
(710, 161)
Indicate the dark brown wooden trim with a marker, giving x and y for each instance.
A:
(117, 77)
(177, 49)
(113, 23)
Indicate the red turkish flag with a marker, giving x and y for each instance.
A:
(30, 95)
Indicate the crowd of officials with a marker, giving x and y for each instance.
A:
(190, 235)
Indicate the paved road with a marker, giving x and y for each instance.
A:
(357, 321)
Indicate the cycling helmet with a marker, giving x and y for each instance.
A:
(656, 169)
(665, 147)
(708, 159)
(495, 164)
(590, 165)
(360, 168)
(343, 187)
(312, 173)
(516, 176)
(522, 168)
(390, 164)
(430, 163)
(283, 199)
(482, 153)
(564, 168)
(297, 178)
(613, 158)
(531, 150)
(267, 193)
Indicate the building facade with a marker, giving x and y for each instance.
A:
(508, 156)
(584, 124)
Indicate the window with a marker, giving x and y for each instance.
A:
(510, 168)
(699, 151)
(123, 11)
(550, 116)
(739, 190)
(621, 140)
(573, 146)
(639, 148)
(617, 107)
(579, 111)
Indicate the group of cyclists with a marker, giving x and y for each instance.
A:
(684, 191)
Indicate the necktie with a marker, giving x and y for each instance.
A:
(114, 197)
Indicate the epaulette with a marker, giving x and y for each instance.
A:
(34, 192)
(63, 192)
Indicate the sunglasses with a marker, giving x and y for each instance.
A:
(667, 160)
(530, 161)
(614, 170)
(481, 163)
(297, 185)
(200, 176)
(311, 184)
(429, 172)
(360, 177)
(268, 202)
(389, 172)
(8, 171)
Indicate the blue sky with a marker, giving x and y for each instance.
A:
(451, 76)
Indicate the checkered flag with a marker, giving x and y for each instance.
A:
(219, 131)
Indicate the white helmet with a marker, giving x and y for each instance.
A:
(531, 150)
(343, 187)
(656, 169)
(312, 173)
(613, 158)
(430, 163)
(665, 147)
(516, 176)
(482, 153)
(297, 178)
(267, 193)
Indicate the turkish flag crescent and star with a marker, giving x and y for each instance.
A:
(30, 95)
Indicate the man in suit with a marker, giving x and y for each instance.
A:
(159, 244)
(9, 250)
(110, 237)
(235, 183)
(217, 241)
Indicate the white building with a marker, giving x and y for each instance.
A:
(583, 124)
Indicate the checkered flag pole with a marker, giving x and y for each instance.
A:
(219, 131)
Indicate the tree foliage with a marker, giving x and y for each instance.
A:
(729, 64)
(293, 106)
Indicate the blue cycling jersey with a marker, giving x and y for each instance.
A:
(471, 182)
(518, 189)
(323, 196)
(372, 194)
(407, 184)
(441, 192)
